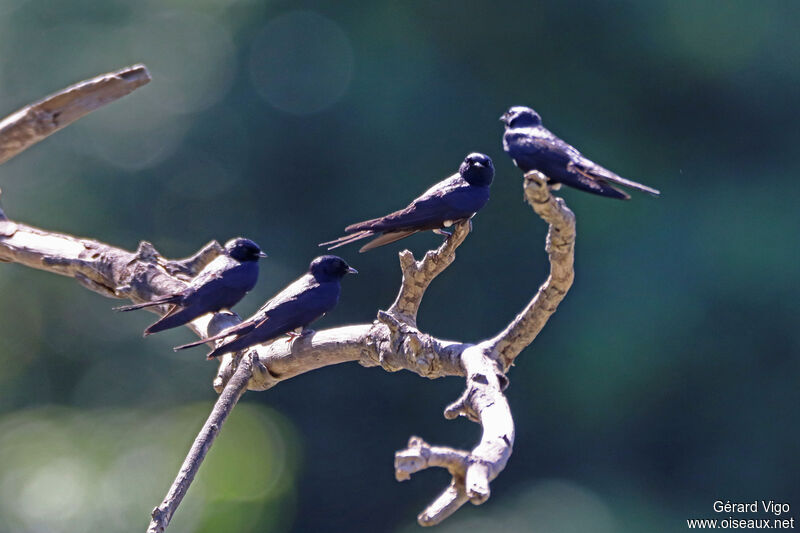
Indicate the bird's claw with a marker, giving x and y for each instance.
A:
(442, 232)
(295, 334)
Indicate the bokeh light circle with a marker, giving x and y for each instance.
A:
(301, 62)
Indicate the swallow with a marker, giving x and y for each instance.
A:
(220, 285)
(534, 147)
(302, 302)
(451, 200)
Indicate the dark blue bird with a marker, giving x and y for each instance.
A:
(451, 200)
(534, 147)
(220, 285)
(305, 300)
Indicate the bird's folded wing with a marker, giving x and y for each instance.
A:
(553, 146)
(212, 271)
(347, 239)
(427, 212)
(423, 210)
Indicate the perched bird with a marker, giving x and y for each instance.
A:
(220, 285)
(534, 147)
(305, 300)
(453, 199)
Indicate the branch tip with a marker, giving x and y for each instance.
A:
(29, 125)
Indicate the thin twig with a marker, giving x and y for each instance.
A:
(234, 390)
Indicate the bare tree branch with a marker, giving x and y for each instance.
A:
(392, 341)
(483, 402)
(560, 247)
(417, 275)
(33, 123)
(162, 514)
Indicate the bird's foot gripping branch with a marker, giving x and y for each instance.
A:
(393, 341)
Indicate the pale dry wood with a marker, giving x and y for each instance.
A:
(237, 385)
(560, 246)
(417, 275)
(34, 122)
(393, 341)
(483, 402)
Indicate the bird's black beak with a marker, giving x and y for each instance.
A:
(262, 254)
(503, 117)
(351, 270)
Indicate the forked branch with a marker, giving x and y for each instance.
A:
(393, 341)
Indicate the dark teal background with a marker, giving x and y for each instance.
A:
(667, 379)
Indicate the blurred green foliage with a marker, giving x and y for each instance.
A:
(667, 379)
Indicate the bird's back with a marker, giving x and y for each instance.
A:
(299, 304)
(450, 199)
(304, 300)
(536, 148)
(222, 284)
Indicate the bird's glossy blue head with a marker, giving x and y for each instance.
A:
(521, 117)
(477, 169)
(330, 268)
(243, 249)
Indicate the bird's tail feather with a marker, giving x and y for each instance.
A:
(216, 337)
(239, 329)
(386, 238)
(161, 301)
(619, 180)
(177, 316)
(347, 239)
(191, 344)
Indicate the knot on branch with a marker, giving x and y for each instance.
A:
(160, 516)
(408, 348)
(462, 407)
(261, 378)
(147, 253)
